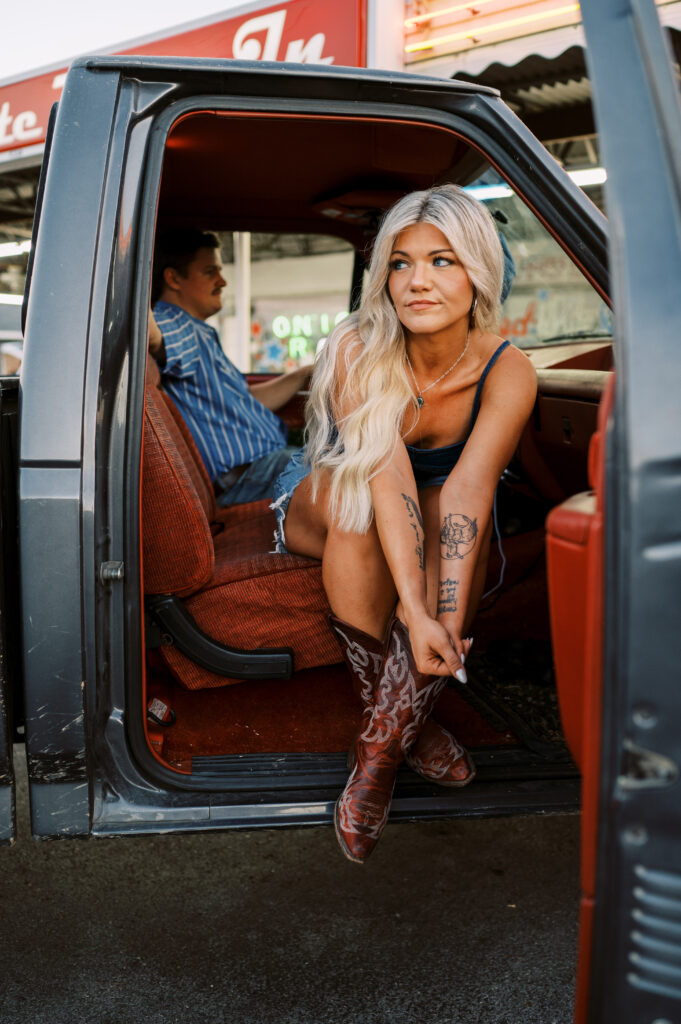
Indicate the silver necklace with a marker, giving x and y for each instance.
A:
(419, 398)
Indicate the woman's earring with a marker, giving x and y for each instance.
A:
(474, 306)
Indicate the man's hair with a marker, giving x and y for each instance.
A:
(177, 248)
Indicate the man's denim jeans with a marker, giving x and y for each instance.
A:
(257, 481)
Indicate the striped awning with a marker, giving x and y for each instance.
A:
(450, 38)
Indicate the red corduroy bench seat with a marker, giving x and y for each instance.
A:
(220, 561)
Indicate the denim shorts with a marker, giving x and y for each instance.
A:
(284, 486)
(286, 483)
(257, 482)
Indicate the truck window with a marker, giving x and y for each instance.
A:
(550, 301)
(284, 294)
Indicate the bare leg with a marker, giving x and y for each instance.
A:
(356, 576)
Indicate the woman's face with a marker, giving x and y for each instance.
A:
(430, 289)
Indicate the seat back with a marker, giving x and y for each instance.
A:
(194, 463)
(177, 506)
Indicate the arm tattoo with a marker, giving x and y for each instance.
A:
(458, 535)
(446, 601)
(416, 524)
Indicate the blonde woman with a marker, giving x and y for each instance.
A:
(415, 410)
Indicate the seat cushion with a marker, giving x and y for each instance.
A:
(258, 599)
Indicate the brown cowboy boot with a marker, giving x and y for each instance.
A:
(436, 755)
(404, 698)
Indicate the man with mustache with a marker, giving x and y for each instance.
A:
(241, 441)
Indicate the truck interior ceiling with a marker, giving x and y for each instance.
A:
(211, 582)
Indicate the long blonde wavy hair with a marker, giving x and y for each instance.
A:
(372, 344)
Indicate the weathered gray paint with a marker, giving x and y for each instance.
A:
(51, 599)
(60, 809)
(7, 816)
(7, 812)
(58, 322)
(51, 484)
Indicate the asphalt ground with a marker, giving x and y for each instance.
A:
(458, 922)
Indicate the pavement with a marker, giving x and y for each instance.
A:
(458, 922)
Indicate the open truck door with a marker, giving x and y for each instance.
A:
(630, 948)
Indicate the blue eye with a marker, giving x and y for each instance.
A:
(442, 261)
(398, 264)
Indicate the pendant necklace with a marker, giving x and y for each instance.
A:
(419, 398)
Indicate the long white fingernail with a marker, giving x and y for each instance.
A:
(461, 675)
(462, 659)
(470, 642)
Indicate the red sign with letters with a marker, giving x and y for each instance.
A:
(309, 31)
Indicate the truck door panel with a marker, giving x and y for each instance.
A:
(629, 947)
(51, 575)
(70, 596)
(55, 493)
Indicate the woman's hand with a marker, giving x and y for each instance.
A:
(461, 645)
(434, 649)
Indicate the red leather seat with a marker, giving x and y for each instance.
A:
(574, 543)
(220, 562)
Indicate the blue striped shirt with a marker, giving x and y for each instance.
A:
(229, 425)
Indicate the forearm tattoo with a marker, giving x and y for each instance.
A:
(446, 601)
(458, 535)
(416, 524)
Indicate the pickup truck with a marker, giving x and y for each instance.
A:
(172, 673)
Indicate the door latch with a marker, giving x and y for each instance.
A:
(111, 571)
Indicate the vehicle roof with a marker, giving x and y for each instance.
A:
(211, 64)
(334, 176)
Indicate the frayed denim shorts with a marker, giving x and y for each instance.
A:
(284, 486)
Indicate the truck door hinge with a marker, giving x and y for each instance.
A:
(110, 571)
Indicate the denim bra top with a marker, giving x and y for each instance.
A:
(432, 466)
